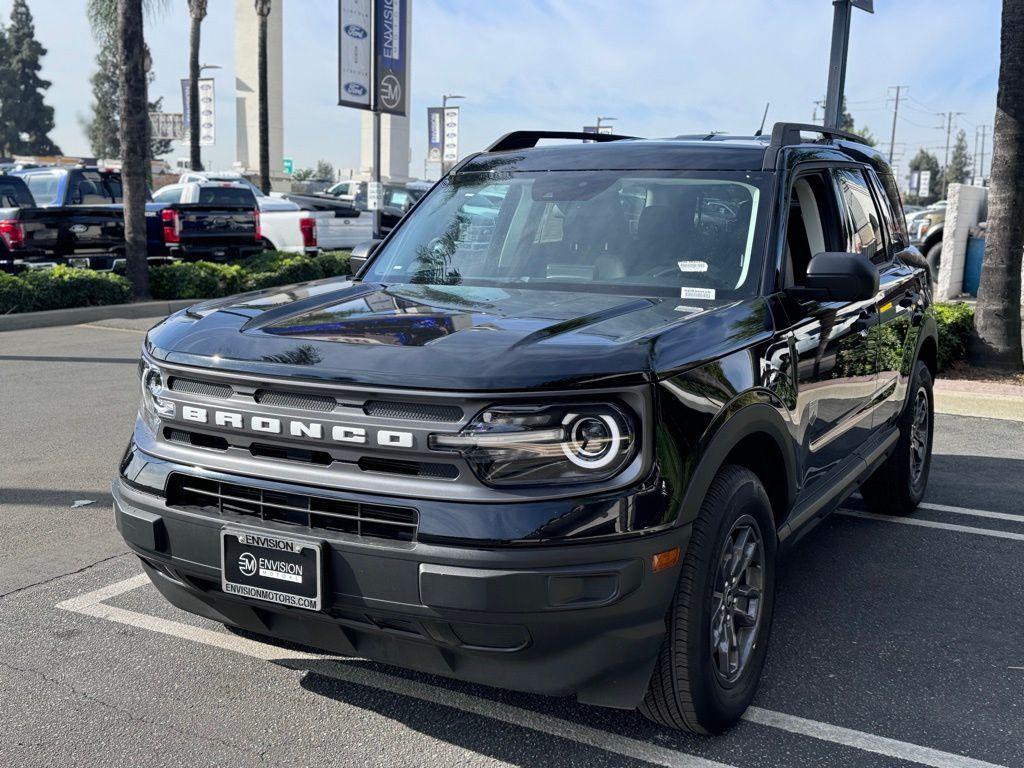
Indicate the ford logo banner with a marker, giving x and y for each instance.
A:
(354, 30)
(355, 89)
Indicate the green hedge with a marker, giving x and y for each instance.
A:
(195, 280)
(956, 324)
(63, 287)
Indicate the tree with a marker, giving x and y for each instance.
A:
(959, 168)
(8, 132)
(324, 171)
(303, 174)
(997, 318)
(197, 12)
(103, 129)
(24, 110)
(263, 11)
(847, 123)
(926, 161)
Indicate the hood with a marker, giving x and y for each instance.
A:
(449, 337)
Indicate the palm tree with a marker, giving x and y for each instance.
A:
(263, 10)
(998, 314)
(197, 10)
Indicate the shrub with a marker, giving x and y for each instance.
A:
(334, 263)
(194, 280)
(297, 269)
(955, 324)
(63, 287)
(15, 294)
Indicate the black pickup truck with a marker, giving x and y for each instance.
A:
(212, 221)
(556, 433)
(79, 220)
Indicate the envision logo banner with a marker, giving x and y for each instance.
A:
(391, 37)
(355, 20)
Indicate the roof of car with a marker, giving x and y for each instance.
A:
(711, 152)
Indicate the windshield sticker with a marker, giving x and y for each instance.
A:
(684, 308)
(693, 266)
(697, 293)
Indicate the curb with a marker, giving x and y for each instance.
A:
(23, 320)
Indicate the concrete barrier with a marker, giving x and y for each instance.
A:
(966, 205)
(21, 320)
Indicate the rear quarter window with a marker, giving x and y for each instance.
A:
(14, 194)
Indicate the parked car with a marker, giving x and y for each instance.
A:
(396, 201)
(926, 230)
(208, 220)
(558, 454)
(15, 200)
(79, 219)
(287, 225)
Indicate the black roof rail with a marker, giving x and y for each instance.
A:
(529, 139)
(788, 134)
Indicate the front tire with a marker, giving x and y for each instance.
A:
(897, 487)
(719, 621)
(934, 258)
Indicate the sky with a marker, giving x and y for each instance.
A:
(661, 67)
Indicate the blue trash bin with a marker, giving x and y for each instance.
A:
(972, 264)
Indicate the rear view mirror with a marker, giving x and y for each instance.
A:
(361, 254)
(838, 277)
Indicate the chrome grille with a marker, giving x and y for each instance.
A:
(315, 512)
(387, 409)
(204, 388)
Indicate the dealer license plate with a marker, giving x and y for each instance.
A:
(271, 568)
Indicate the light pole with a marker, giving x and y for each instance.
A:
(604, 120)
(444, 105)
(837, 59)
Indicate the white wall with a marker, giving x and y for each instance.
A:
(964, 208)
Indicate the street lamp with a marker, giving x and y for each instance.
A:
(209, 66)
(605, 120)
(444, 104)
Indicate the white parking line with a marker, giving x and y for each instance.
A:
(933, 524)
(973, 512)
(92, 604)
(869, 742)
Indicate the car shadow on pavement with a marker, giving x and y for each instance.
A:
(490, 736)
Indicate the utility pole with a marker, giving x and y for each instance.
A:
(981, 163)
(950, 117)
(974, 157)
(818, 103)
(895, 114)
(843, 9)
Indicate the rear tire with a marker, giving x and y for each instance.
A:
(934, 258)
(897, 487)
(728, 579)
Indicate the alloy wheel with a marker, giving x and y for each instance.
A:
(737, 600)
(920, 435)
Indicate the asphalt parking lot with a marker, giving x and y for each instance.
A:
(895, 643)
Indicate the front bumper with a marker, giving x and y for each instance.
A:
(558, 619)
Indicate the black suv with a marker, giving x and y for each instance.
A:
(556, 432)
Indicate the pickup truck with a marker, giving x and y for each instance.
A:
(558, 432)
(79, 220)
(213, 221)
(15, 202)
(286, 225)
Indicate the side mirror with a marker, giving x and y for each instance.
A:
(362, 253)
(838, 277)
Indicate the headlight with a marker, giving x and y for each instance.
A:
(922, 229)
(153, 404)
(519, 445)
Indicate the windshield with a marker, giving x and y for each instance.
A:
(696, 235)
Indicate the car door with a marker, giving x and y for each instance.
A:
(836, 374)
(900, 305)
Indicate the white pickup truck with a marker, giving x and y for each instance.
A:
(284, 224)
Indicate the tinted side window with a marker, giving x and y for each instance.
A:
(14, 194)
(892, 194)
(865, 222)
(43, 187)
(94, 188)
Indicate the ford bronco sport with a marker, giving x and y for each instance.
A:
(555, 433)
